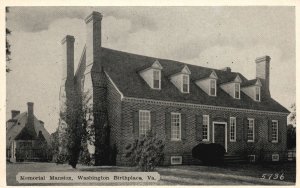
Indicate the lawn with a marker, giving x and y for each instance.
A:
(233, 174)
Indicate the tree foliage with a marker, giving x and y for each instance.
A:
(291, 136)
(8, 52)
(79, 132)
(292, 116)
(146, 153)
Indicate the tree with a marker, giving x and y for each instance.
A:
(146, 152)
(293, 114)
(8, 52)
(291, 136)
(79, 131)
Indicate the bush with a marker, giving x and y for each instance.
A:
(146, 152)
(61, 158)
(209, 154)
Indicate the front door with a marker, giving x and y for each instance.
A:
(219, 134)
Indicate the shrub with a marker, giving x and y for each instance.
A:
(146, 152)
(209, 154)
(61, 158)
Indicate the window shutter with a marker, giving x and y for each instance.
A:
(257, 122)
(153, 122)
(199, 127)
(183, 127)
(270, 130)
(239, 129)
(168, 126)
(280, 127)
(245, 131)
(135, 122)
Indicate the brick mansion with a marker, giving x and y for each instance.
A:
(183, 104)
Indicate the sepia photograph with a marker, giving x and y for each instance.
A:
(150, 95)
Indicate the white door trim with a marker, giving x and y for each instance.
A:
(213, 132)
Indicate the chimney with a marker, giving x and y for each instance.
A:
(93, 39)
(68, 58)
(263, 71)
(30, 108)
(14, 113)
(227, 69)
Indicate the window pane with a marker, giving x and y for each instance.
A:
(275, 131)
(185, 83)
(205, 125)
(175, 126)
(250, 130)
(237, 91)
(156, 79)
(257, 93)
(213, 87)
(144, 122)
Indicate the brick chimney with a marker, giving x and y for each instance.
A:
(263, 72)
(68, 58)
(93, 39)
(95, 84)
(30, 120)
(226, 69)
(14, 113)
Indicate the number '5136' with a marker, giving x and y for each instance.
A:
(275, 176)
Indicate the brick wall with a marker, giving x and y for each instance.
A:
(184, 147)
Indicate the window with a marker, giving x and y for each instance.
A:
(257, 93)
(156, 79)
(274, 131)
(275, 157)
(213, 89)
(175, 126)
(185, 83)
(205, 128)
(250, 130)
(176, 160)
(237, 90)
(232, 129)
(144, 122)
(251, 158)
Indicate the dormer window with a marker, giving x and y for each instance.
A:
(213, 88)
(185, 83)
(257, 93)
(152, 75)
(237, 92)
(182, 80)
(156, 79)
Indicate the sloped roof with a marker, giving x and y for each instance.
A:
(16, 127)
(123, 69)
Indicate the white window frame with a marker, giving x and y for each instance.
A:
(203, 117)
(179, 132)
(188, 83)
(232, 123)
(176, 157)
(251, 158)
(210, 87)
(253, 130)
(239, 90)
(275, 121)
(159, 78)
(257, 88)
(275, 157)
(141, 121)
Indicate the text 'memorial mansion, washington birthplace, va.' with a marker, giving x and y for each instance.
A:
(183, 104)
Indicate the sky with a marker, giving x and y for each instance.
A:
(214, 37)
